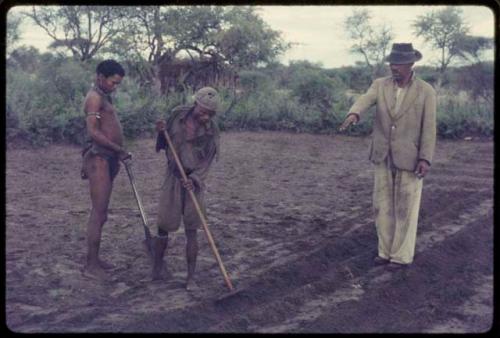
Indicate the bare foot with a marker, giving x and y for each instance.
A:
(95, 272)
(191, 285)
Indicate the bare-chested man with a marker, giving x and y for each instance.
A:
(101, 158)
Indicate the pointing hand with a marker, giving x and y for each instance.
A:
(350, 119)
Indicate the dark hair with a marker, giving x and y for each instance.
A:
(109, 68)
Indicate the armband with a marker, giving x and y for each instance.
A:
(97, 114)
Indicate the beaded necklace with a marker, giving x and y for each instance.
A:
(102, 93)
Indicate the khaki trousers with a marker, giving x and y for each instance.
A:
(396, 204)
(175, 205)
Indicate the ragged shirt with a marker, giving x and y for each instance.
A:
(197, 154)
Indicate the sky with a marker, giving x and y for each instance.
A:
(317, 31)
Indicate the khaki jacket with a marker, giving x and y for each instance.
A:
(410, 132)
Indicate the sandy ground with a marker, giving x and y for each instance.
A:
(291, 216)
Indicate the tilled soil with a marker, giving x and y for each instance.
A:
(291, 216)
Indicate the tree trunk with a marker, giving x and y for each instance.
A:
(439, 82)
(157, 84)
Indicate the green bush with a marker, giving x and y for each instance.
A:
(47, 106)
(253, 80)
(139, 108)
(253, 110)
(281, 110)
(45, 101)
(462, 119)
(45, 93)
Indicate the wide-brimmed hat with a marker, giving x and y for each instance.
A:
(403, 53)
(208, 98)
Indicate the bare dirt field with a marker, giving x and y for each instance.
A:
(291, 216)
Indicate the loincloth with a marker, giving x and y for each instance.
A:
(90, 152)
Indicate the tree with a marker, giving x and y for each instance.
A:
(248, 41)
(13, 35)
(155, 35)
(24, 58)
(445, 30)
(472, 48)
(314, 88)
(370, 43)
(477, 78)
(84, 30)
(142, 42)
(222, 36)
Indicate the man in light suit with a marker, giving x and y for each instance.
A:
(404, 137)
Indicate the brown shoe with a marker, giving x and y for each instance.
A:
(396, 266)
(379, 260)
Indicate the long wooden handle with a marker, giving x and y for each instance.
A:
(136, 194)
(200, 213)
(147, 232)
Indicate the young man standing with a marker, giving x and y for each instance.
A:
(195, 137)
(101, 157)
